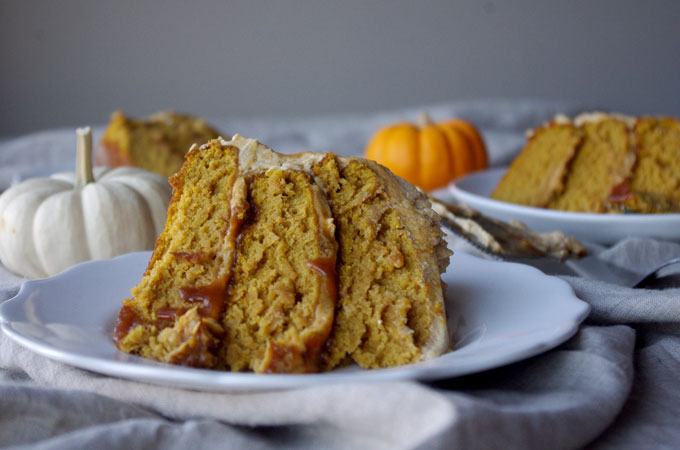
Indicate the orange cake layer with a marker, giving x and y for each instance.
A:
(538, 173)
(157, 143)
(391, 308)
(296, 263)
(280, 306)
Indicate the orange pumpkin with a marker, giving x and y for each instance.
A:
(429, 154)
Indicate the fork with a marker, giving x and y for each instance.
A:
(512, 242)
(503, 240)
(662, 277)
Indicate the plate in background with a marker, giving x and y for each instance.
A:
(503, 313)
(475, 189)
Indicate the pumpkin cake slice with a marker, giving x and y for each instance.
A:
(620, 164)
(157, 143)
(250, 272)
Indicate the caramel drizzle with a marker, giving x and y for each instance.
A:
(212, 297)
(194, 257)
(318, 343)
(326, 268)
(169, 313)
(620, 193)
(128, 318)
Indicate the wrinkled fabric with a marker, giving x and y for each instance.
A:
(612, 386)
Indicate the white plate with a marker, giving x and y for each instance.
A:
(508, 312)
(475, 189)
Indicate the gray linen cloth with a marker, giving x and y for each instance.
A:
(613, 385)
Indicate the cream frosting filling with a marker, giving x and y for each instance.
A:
(587, 117)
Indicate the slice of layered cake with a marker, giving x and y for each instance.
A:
(299, 263)
(596, 163)
(157, 143)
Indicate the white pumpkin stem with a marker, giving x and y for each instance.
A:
(423, 120)
(84, 172)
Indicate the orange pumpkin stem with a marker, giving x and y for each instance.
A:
(423, 120)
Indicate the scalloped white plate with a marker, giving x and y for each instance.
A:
(475, 189)
(503, 312)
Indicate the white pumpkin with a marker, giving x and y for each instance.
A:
(49, 224)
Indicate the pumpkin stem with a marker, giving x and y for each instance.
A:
(84, 173)
(423, 120)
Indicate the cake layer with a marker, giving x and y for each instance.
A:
(537, 176)
(281, 302)
(391, 308)
(193, 253)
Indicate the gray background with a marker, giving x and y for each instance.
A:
(67, 63)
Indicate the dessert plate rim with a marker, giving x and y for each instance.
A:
(475, 189)
(69, 318)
